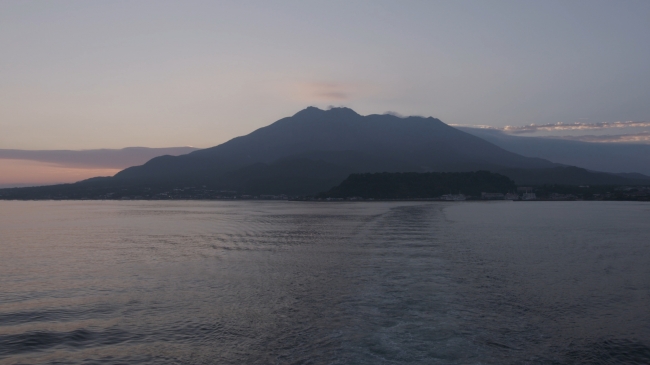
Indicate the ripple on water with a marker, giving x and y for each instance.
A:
(299, 283)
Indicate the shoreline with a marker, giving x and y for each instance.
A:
(343, 200)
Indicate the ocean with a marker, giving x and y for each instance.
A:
(262, 282)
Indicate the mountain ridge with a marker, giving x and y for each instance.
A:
(426, 143)
(606, 157)
(315, 149)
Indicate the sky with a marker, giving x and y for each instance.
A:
(113, 74)
(78, 75)
(43, 167)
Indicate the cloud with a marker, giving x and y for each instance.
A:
(477, 126)
(326, 91)
(395, 114)
(333, 95)
(532, 128)
(94, 159)
(641, 137)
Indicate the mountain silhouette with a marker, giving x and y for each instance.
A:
(317, 149)
(606, 157)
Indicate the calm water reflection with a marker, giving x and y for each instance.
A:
(329, 283)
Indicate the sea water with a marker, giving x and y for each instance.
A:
(253, 282)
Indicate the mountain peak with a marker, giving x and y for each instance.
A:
(313, 111)
(342, 110)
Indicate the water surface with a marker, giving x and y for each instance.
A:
(324, 283)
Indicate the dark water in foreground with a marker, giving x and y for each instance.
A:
(329, 283)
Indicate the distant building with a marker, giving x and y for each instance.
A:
(555, 196)
(492, 196)
(511, 196)
(529, 196)
(453, 197)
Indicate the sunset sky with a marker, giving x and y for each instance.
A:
(113, 74)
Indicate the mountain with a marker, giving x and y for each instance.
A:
(606, 157)
(339, 138)
(342, 137)
(308, 153)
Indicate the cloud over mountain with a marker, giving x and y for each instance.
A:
(532, 128)
(641, 137)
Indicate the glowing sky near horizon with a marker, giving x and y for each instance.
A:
(112, 74)
(16, 173)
